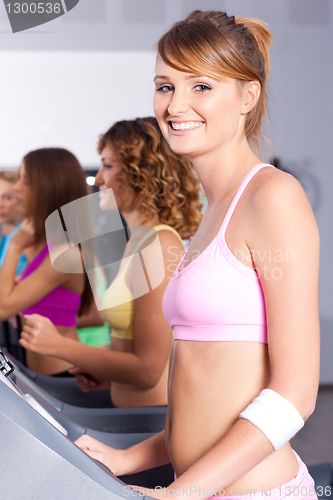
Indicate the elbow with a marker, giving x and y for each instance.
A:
(306, 405)
(302, 398)
(3, 315)
(307, 401)
(308, 408)
(148, 378)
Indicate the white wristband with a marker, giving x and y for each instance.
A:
(274, 416)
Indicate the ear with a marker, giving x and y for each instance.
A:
(251, 93)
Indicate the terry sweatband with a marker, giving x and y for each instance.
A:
(274, 416)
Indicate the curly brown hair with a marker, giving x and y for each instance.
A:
(164, 182)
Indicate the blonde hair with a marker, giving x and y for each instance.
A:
(215, 44)
(9, 176)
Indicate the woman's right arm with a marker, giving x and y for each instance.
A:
(150, 453)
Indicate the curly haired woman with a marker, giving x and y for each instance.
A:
(156, 190)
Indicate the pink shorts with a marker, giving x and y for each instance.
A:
(301, 487)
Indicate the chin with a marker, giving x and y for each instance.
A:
(108, 204)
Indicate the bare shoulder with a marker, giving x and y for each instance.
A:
(172, 249)
(271, 182)
(62, 265)
(168, 238)
(275, 193)
(277, 203)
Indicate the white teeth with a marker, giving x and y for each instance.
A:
(185, 125)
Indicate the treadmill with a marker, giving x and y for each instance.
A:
(40, 460)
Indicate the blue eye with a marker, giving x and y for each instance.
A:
(164, 89)
(201, 87)
(106, 165)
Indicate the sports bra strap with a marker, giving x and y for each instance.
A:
(239, 193)
(35, 263)
(159, 227)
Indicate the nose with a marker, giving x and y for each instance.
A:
(99, 177)
(178, 103)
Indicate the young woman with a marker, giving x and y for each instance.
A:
(243, 302)
(156, 190)
(48, 179)
(10, 216)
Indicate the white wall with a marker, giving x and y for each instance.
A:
(68, 98)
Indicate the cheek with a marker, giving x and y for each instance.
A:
(12, 204)
(159, 109)
(108, 179)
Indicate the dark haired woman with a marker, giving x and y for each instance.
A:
(243, 302)
(156, 190)
(48, 179)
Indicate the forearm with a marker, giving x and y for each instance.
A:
(123, 367)
(239, 451)
(146, 455)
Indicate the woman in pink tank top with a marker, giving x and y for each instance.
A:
(48, 179)
(244, 301)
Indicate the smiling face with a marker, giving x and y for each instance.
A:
(8, 203)
(199, 114)
(106, 178)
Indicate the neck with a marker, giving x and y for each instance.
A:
(221, 172)
(135, 218)
(7, 228)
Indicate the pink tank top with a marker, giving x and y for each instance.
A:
(60, 305)
(216, 297)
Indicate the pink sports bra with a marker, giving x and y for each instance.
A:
(60, 305)
(216, 297)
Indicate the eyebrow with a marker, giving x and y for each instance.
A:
(187, 77)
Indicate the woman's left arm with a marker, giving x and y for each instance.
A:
(284, 244)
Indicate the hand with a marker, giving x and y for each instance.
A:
(113, 459)
(40, 335)
(25, 236)
(87, 382)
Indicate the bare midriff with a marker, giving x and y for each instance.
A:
(210, 384)
(49, 365)
(130, 395)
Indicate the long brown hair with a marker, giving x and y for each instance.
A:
(165, 183)
(55, 178)
(214, 44)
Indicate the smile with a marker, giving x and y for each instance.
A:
(185, 125)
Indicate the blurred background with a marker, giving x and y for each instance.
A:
(65, 82)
